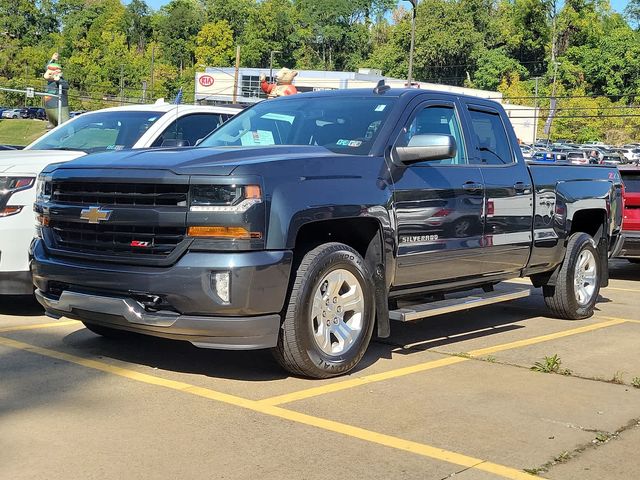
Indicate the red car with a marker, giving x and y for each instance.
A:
(631, 218)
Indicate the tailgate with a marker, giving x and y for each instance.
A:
(631, 181)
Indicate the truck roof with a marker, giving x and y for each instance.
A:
(167, 107)
(405, 93)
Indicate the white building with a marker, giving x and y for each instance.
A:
(216, 85)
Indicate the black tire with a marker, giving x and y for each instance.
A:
(297, 350)
(107, 332)
(561, 298)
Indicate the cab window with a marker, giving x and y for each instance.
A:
(491, 137)
(187, 130)
(436, 120)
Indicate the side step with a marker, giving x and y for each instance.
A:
(431, 309)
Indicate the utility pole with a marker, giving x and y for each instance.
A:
(414, 5)
(235, 75)
(271, 64)
(121, 84)
(153, 56)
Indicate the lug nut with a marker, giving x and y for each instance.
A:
(335, 320)
(339, 310)
(335, 299)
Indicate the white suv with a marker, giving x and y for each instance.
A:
(119, 128)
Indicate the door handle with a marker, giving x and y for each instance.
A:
(522, 188)
(472, 187)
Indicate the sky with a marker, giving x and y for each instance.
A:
(618, 5)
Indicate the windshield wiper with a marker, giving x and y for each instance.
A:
(66, 149)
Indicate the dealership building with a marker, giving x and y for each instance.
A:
(217, 85)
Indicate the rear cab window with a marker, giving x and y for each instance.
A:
(491, 138)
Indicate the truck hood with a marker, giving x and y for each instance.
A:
(32, 162)
(196, 161)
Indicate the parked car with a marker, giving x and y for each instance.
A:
(631, 154)
(34, 113)
(578, 157)
(12, 113)
(631, 218)
(612, 159)
(120, 128)
(297, 223)
(76, 113)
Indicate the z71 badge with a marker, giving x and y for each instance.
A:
(417, 238)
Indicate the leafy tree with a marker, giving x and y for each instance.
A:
(494, 66)
(214, 44)
(138, 24)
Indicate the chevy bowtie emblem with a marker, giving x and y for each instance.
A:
(95, 215)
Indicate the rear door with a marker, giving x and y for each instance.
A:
(438, 204)
(631, 219)
(508, 192)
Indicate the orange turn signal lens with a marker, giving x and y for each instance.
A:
(8, 211)
(252, 191)
(223, 232)
(42, 220)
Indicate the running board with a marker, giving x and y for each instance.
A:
(431, 309)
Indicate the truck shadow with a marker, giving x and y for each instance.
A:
(620, 269)
(259, 365)
(21, 305)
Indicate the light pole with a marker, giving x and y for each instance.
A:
(271, 64)
(414, 6)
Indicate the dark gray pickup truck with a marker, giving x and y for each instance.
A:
(306, 223)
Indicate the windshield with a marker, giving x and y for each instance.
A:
(341, 124)
(95, 132)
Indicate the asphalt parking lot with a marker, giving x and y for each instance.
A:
(448, 396)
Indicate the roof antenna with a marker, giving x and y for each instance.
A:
(381, 87)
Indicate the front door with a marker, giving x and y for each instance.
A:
(438, 205)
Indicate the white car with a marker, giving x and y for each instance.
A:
(119, 128)
(11, 113)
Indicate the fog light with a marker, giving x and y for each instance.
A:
(221, 285)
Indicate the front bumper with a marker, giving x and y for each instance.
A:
(231, 333)
(110, 295)
(631, 245)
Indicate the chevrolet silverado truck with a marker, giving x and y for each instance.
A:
(307, 223)
(118, 128)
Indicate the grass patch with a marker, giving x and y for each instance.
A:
(20, 131)
(618, 378)
(635, 382)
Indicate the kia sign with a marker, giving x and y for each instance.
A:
(205, 80)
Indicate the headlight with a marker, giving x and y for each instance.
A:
(9, 186)
(224, 198)
(226, 216)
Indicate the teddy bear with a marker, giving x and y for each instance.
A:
(53, 76)
(283, 86)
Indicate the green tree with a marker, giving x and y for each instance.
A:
(214, 45)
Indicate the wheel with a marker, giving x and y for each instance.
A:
(578, 284)
(107, 332)
(330, 315)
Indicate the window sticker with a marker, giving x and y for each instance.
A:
(342, 142)
(259, 137)
(355, 143)
(381, 107)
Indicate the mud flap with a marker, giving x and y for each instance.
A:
(375, 264)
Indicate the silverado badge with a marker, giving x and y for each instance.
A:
(95, 215)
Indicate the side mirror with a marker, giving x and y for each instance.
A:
(426, 147)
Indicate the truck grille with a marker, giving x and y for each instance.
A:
(124, 194)
(121, 240)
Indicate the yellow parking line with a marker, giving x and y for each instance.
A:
(38, 325)
(622, 289)
(526, 281)
(622, 319)
(355, 382)
(274, 411)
